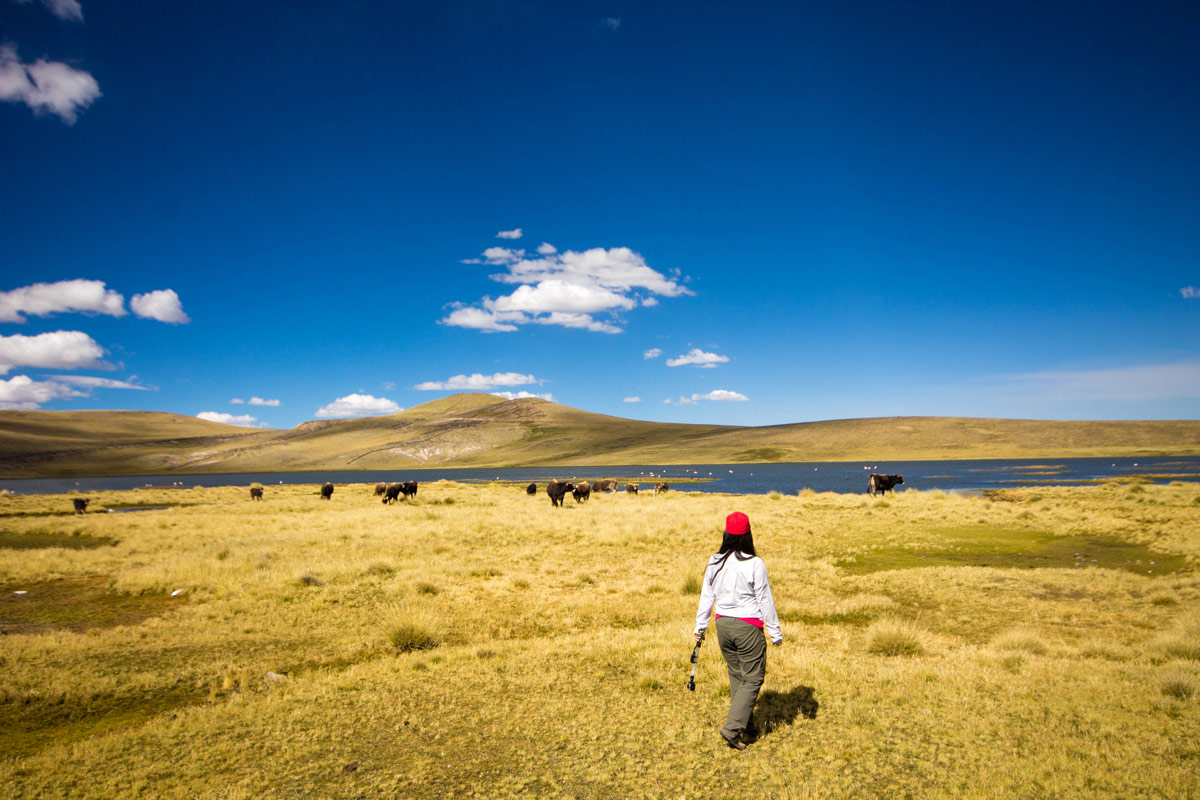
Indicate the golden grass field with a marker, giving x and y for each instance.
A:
(479, 643)
(477, 430)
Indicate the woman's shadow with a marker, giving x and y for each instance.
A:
(775, 709)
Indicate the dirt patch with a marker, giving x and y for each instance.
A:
(75, 604)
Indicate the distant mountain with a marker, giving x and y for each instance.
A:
(476, 430)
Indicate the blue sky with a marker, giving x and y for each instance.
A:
(691, 212)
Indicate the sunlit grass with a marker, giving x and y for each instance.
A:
(494, 647)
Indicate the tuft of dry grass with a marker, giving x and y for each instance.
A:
(895, 637)
(1022, 641)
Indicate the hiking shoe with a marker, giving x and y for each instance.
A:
(736, 744)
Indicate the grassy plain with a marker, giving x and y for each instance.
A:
(476, 430)
(478, 643)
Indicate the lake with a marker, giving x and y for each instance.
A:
(787, 478)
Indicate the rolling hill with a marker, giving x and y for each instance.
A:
(469, 430)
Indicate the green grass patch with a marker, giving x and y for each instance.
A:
(1006, 548)
(40, 540)
(74, 604)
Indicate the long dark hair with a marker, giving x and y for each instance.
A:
(741, 546)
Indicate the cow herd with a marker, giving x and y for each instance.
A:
(556, 489)
(582, 490)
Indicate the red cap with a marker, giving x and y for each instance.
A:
(737, 523)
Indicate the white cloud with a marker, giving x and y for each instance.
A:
(649, 302)
(631, 400)
(358, 405)
(45, 86)
(92, 382)
(162, 305)
(241, 420)
(564, 289)
(65, 9)
(515, 233)
(522, 395)
(258, 401)
(22, 393)
(477, 382)
(1150, 382)
(44, 299)
(1190, 292)
(653, 352)
(697, 357)
(716, 395)
(612, 23)
(237, 401)
(56, 350)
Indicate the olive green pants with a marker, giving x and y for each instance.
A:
(745, 649)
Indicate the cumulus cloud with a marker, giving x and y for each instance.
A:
(515, 233)
(653, 352)
(1190, 292)
(241, 420)
(162, 305)
(522, 395)
(22, 393)
(44, 299)
(566, 289)
(477, 382)
(237, 401)
(55, 350)
(46, 87)
(697, 358)
(631, 400)
(358, 405)
(258, 401)
(92, 382)
(716, 395)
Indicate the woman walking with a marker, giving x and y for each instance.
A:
(736, 588)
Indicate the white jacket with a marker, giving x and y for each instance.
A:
(740, 589)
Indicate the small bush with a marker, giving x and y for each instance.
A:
(427, 588)
(381, 569)
(308, 579)
(892, 637)
(409, 636)
(1164, 599)
(1179, 685)
(691, 585)
(648, 684)
(520, 583)
(587, 580)
(1021, 641)
(774, 496)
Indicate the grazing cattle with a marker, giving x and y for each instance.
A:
(604, 485)
(326, 491)
(582, 491)
(557, 491)
(531, 489)
(80, 505)
(660, 487)
(882, 483)
(256, 493)
(392, 492)
(408, 489)
(380, 488)
(631, 488)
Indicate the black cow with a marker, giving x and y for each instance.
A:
(631, 488)
(882, 483)
(582, 491)
(391, 492)
(256, 493)
(80, 505)
(531, 489)
(326, 491)
(557, 491)
(660, 487)
(380, 488)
